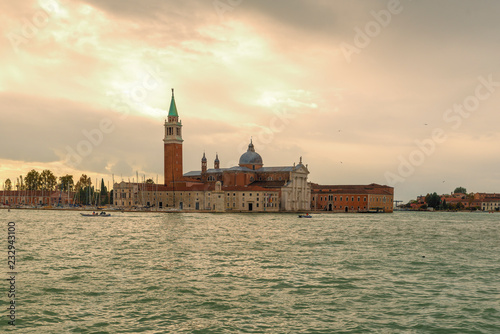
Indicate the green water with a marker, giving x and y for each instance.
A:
(262, 273)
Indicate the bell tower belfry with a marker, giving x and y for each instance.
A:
(172, 145)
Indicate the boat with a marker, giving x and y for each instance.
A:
(94, 214)
(305, 216)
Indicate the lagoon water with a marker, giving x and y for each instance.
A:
(254, 273)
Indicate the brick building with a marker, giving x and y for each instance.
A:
(36, 197)
(352, 198)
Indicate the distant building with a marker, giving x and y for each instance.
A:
(477, 201)
(490, 204)
(352, 198)
(248, 187)
(488, 201)
(36, 197)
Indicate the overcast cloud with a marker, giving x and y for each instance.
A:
(357, 88)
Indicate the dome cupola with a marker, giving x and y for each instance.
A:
(250, 158)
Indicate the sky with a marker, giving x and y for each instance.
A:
(402, 93)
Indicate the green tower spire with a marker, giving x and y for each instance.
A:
(173, 109)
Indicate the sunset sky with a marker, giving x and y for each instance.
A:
(403, 93)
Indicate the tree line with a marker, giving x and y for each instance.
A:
(85, 193)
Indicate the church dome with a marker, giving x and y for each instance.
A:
(250, 157)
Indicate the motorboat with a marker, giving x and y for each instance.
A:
(95, 214)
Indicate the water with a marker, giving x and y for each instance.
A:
(254, 273)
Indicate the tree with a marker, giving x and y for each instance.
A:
(433, 200)
(104, 193)
(20, 184)
(84, 190)
(7, 185)
(48, 181)
(460, 190)
(32, 180)
(150, 181)
(84, 181)
(66, 182)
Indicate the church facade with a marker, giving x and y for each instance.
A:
(248, 187)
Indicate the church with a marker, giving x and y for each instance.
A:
(248, 187)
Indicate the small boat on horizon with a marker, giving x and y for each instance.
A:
(95, 214)
(305, 216)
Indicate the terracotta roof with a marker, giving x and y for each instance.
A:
(352, 189)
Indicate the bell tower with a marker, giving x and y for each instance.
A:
(203, 163)
(172, 145)
(216, 161)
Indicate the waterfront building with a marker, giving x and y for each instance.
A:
(352, 198)
(488, 201)
(473, 201)
(197, 198)
(490, 204)
(248, 187)
(36, 197)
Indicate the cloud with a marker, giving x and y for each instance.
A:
(235, 73)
